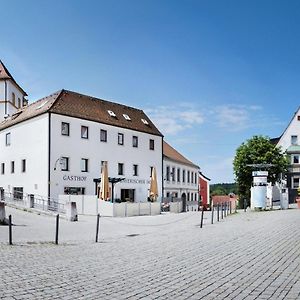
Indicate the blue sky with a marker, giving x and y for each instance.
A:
(210, 74)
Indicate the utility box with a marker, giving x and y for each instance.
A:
(259, 190)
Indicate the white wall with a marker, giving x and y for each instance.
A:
(181, 187)
(75, 148)
(28, 141)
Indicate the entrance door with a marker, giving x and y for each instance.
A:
(127, 195)
(183, 198)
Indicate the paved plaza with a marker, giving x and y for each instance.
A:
(244, 256)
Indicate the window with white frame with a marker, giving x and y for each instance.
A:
(120, 169)
(188, 176)
(178, 175)
(103, 135)
(294, 139)
(120, 138)
(2, 168)
(135, 141)
(151, 144)
(84, 165)
(173, 174)
(64, 163)
(12, 167)
(295, 182)
(7, 139)
(84, 132)
(23, 165)
(183, 175)
(295, 159)
(168, 173)
(65, 128)
(135, 170)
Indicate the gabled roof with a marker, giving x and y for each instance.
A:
(4, 74)
(204, 177)
(80, 106)
(171, 153)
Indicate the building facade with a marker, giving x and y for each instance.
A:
(289, 141)
(180, 178)
(58, 144)
(204, 190)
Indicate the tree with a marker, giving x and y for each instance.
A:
(257, 150)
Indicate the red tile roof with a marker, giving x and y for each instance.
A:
(76, 105)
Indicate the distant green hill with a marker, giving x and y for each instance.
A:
(223, 189)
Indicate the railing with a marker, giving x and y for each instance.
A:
(20, 199)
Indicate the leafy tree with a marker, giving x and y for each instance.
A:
(257, 150)
(222, 189)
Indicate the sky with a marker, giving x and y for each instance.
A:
(210, 74)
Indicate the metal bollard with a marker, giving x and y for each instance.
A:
(97, 227)
(222, 211)
(218, 209)
(212, 214)
(202, 212)
(245, 203)
(9, 230)
(225, 209)
(57, 228)
(230, 207)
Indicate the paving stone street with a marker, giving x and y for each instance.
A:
(248, 255)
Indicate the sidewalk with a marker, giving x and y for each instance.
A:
(244, 256)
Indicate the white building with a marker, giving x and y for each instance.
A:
(180, 178)
(56, 145)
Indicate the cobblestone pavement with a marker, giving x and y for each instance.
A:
(244, 256)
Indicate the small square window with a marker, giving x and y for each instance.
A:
(120, 169)
(103, 135)
(7, 139)
(294, 140)
(135, 141)
(295, 182)
(295, 159)
(84, 132)
(23, 165)
(84, 165)
(135, 170)
(120, 139)
(65, 128)
(64, 163)
(151, 144)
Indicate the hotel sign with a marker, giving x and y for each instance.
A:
(74, 178)
(137, 181)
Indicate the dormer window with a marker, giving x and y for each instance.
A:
(111, 113)
(145, 121)
(126, 117)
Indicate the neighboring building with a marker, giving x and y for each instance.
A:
(222, 199)
(204, 190)
(180, 178)
(290, 142)
(57, 145)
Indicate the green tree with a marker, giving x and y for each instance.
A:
(257, 150)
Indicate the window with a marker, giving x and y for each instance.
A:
(295, 182)
(111, 113)
(178, 175)
(120, 139)
(13, 99)
(12, 167)
(192, 197)
(84, 165)
(188, 176)
(7, 139)
(135, 141)
(19, 103)
(103, 135)
(84, 132)
(120, 169)
(183, 175)
(2, 168)
(126, 117)
(65, 128)
(295, 159)
(294, 140)
(18, 193)
(135, 170)
(195, 178)
(23, 166)
(192, 177)
(151, 144)
(151, 168)
(145, 121)
(168, 173)
(64, 163)
(173, 174)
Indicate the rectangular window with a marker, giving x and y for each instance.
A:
(23, 166)
(294, 139)
(65, 128)
(135, 141)
(195, 178)
(120, 169)
(135, 170)
(12, 167)
(192, 177)
(192, 197)
(103, 135)
(295, 182)
(173, 174)
(7, 139)
(183, 175)
(295, 159)
(84, 165)
(188, 176)
(64, 163)
(151, 144)
(84, 132)
(151, 168)
(2, 168)
(120, 139)
(168, 173)
(178, 175)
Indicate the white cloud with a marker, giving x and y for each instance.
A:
(171, 121)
